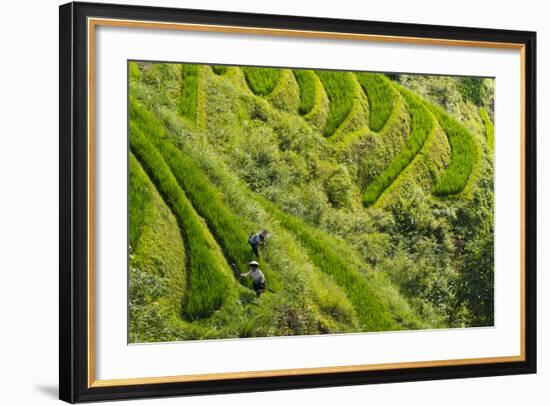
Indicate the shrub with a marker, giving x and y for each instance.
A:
(382, 98)
(338, 187)
(489, 129)
(207, 282)
(306, 81)
(261, 81)
(286, 94)
(464, 154)
(472, 89)
(423, 124)
(476, 282)
(474, 223)
(189, 86)
(340, 91)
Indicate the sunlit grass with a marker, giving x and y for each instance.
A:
(382, 98)
(306, 81)
(189, 86)
(371, 313)
(422, 124)
(219, 69)
(464, 154)
(207, 283)
(261, 81)
(340, 90)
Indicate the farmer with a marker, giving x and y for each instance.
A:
(258, 278)
(257, 239)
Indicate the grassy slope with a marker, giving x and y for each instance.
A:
(299, 247)
(338, 86)
(422, 172)
(219, 69)
(286, 94)
(369, 153)
(208, 280)
(382, 98)
(284, 261)
(285, 256)
(157, 261)
(189, 91)
(306, 82)
(262, 81)
(326, 257)
(320, 109)
(371, 313)
(423, 123)
(367, 302)
(391, 297)
(225, 226)
(465, 154)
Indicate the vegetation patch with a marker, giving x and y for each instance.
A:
(382, 98)
(489, 129)
(261, 81)
(225, 226)
(306, 81)
(219, 69)
(464, 154)
(422, 124)
(189, 91)
(472, 89)
(156, 263)
(207, 282)
(372, 315)
(339, 87)
(286, 95)
(249, 161)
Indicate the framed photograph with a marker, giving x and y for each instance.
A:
(258, 202)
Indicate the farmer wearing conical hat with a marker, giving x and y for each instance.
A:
(258, 278)
(257, 239)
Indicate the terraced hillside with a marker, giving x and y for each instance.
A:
(376, 195)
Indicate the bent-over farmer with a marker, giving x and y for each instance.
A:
(258, 278)
(257, 239)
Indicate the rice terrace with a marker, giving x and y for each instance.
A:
(277, 202)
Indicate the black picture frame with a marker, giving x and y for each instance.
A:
(73, 197)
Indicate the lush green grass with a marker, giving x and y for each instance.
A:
(422, 124)
(464, 154)
(372, 315)
(134, 73)
(382, 98)
(189, 91)
(207, 282)
(219, 69)
(306, 81)
(206, 200)
(261, 81)
(489, 129)
(140, 196)
(225, 226)
(340, 91)
(156, 263)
